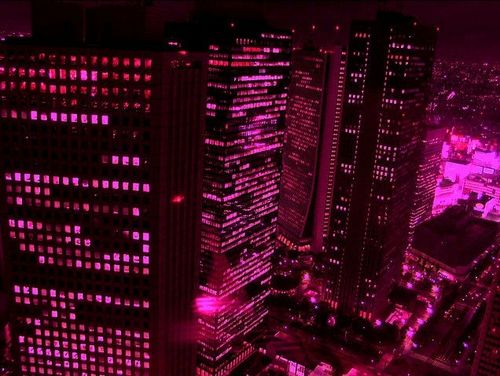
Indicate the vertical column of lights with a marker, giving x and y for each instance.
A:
(347, 162)
(335, 138)
(64, 218)
(246, 104)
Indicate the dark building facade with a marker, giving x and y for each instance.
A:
(246, 102)
(388, 71)
(101, 152)
(487, 359)
(309, 154)
(428, 171)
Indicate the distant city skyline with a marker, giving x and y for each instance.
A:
(468, 29)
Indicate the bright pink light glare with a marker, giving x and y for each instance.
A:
(177, 199)
(207, 305)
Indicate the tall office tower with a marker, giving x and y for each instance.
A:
(388, 71)
(312, 129)
(487, 359)
(100, 198)
(428, 170)
(246, 102)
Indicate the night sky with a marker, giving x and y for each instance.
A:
(469, 30)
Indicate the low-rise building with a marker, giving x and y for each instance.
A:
(451, 245)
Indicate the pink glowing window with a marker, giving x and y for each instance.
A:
(125, 160)
(52, 74)
(126, 62)
(63, 89)
(64, 117)
(74, 118)
(148, 63)
(136, 161)
(137, 63)
(83, 75)
(73, 74)
(93, 75)
(115, 61)
(145, 187)
(105, 119)
(94, 119)
(33, 115)
(115, 159)
(53, 89)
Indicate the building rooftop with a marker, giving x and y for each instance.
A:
(455, 237)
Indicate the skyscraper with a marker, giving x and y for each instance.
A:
(428, 170)
(311, 140)
(487, 359)
(246, 101)
(100, 198)
(388, 71)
